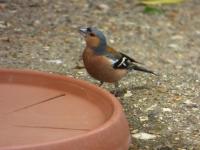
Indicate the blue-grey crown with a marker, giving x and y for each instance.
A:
(102, 46)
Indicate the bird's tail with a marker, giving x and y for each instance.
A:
(139, 68)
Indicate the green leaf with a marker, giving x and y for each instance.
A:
(152, 10)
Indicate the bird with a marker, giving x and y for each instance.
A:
(103, 62)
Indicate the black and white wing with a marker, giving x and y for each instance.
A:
(125, 62)
(122, 63)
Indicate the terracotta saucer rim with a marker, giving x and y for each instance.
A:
(117, 108)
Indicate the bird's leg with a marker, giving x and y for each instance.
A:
(101, 83)
(116, 85)
(116, 91)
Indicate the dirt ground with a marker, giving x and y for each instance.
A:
(163, 112)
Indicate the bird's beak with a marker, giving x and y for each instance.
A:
(83, 31)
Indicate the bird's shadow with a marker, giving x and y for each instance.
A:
(122, 91)
(143, 87)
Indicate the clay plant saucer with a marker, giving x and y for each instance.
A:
(41, 111)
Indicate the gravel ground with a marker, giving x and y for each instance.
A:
(163, 112)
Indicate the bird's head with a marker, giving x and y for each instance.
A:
(94, 38)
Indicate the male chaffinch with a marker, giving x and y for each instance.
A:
(103, 62)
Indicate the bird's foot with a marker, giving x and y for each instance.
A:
(117, 91)
(101, 83)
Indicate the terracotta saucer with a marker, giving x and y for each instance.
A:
(41, 111)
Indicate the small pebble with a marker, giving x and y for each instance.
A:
(111, 41)
(80, 72)
(56, 61)
(103, 7)
(198, 32)
(175, 46)
(167, 110)
(162, 89)
(189, 103)
(3, 24)
(128, 94)
(177, 37)
(46, 48)
(152, 107)
(144, 118)
(144, 136)
(36, 22)
(134, 131)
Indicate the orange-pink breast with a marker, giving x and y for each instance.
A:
(100, 68)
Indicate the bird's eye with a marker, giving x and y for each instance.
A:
(92, 34)
(89, 29)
